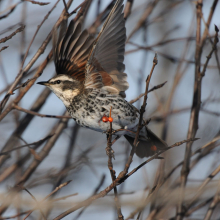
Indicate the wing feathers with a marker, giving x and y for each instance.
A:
(108, 53)
(98, 63)
(71, 50)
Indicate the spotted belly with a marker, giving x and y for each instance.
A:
(88, 112)
(94, 120)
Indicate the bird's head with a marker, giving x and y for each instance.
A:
(65, 87)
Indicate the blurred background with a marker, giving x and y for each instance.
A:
(167, 28)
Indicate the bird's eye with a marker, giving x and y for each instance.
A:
(58, 82)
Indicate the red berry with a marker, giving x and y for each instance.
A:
(105, 119)
(110, 119)
(153, 148)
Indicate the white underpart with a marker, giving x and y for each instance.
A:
(69, 94)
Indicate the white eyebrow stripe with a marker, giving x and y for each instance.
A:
(62, 78)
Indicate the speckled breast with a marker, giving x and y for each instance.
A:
(88, 111)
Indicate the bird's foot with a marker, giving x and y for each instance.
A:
(114, 131)
(110, 152)
(108, 132)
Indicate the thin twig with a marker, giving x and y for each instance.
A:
(20, 29)
(104, 192)
(32, 196)
(100, 18)
(140, 126)
(216, 40)
(24, 122)
(151, 90)
(14, 216)
(65, 5)
(64, 197)
(12, 8)
(38, 3)
(199, 206)
(38, 114)
(25, 83)
(57, 188)
(27, 145)
(155, 156)
(200, 189)
(145, 15)
(57, 130)
(29, 65)
(213, 204)
(127, 9)
(139, 209)
(193, 126)
(110, 154)
(54, 191)
(3, 48)
(94, 193)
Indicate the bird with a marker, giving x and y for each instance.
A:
(90, 80)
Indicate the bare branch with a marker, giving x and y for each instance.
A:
(3, 48)
(151, 90)
(20, 29)
(12, 8)
(27, 145)
(37, 2)
(38, 114)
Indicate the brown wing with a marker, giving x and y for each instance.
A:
(105, 65)
(71, 50)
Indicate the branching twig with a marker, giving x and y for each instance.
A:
(3, 48)
(214, 203)
(27, 145)
(57, 130)
(193, 125)
(151, 90)
(103, 193)
(201, 188)
(29, 65)
(38, 114)
(216, 40)
(34, 200)
(54, 191)
(140, 126)
(199, 206)
(110, 154)
(155, 157)
(14, 216)
(12, 8)
(24, 84)
(64, 197)
(94, 193)
(23, 164)
(20, 29)
(38, 3)
(143, 18)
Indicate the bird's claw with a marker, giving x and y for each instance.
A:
(108, 132)
(110, 152)
(114, 131)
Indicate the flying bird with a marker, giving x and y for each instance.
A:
(90, 80)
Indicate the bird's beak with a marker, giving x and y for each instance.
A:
(44, 83)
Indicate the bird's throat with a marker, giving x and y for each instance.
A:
(68, 95)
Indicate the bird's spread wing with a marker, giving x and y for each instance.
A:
(71, 50)
(105, 64)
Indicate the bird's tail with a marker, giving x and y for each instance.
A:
(149, 146)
